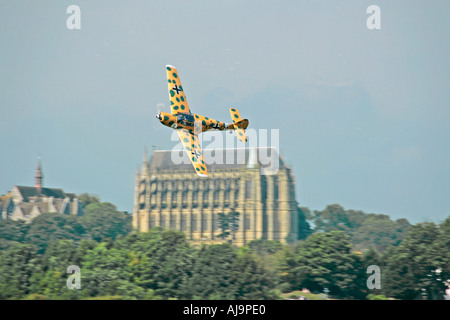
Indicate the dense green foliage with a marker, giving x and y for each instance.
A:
(117, 263)
(365, 230)
(228, 223)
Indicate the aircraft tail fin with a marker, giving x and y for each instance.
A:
(239, 125)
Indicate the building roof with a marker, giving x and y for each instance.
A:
(268, 159)
(28, 192)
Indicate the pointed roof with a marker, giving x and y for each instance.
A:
(145, 161)
(28, 192)
(39, 165)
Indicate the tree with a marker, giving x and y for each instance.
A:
(365, 230)
(410, 270)
(50, 280)
(87, 199)
(161, 261)
(332, 218)
(325, 260)
(211, 273)
(250, 279)
(103, 221)
(379, 231)
(442, 243)
(12, 232)
(172, 264)
(17, 265)
(106, 272)
(48, 227)
(265, 247)
(228, 224)
(304, 229)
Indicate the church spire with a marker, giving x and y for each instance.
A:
(145, 162)
(38, 176)
(138, 174)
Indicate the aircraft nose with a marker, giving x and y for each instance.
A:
(159, 117)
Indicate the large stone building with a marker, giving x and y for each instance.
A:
(25, 203)
(254, 182)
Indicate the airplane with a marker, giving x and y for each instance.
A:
(189, 125)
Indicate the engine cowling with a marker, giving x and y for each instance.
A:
(167, 119)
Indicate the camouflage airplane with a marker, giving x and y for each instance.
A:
(189, 125)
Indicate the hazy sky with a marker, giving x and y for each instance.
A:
(362, 114)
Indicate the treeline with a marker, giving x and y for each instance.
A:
(101, 221)
(117, 263)
(365, 230)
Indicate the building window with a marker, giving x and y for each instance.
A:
(275, 191)
(205, 198)
(195, 199)
(141, 201)
(174, 199)
(164, 199)
(153, 188)
(184, 199)
(248, 225)
(153, 201)
(194, 222)
(248, 189)
(142, 187)
(216, 198)
(226, 198)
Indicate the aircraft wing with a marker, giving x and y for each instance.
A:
(194, 151)
(178, 102)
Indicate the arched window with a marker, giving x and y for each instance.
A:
(216, 198)
(205, 198)
(174, 199)
(184, 198)
(195, 199)
(164, 199)
(226, 198)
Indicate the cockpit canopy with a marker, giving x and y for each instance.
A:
(185, 117)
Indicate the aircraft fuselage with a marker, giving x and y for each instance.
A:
(189, 121)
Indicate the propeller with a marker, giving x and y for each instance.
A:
(159, 108)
